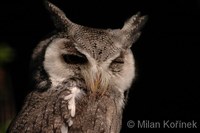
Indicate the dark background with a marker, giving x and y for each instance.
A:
(167, 54)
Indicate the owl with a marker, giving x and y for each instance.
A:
(80, 76)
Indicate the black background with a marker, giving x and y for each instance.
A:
(167, 54)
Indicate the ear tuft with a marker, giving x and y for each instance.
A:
(60, 20)
(131, 29)
(135, 23)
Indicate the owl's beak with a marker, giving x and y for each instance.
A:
(98, 82)
(99, 85)
(94, 87)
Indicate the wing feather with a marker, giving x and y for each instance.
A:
(49, 111)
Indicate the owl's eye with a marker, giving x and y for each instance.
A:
(117, 64)
(118, 60)
(74, 59)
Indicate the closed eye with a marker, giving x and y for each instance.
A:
(117, 64)
(74, 59)
(118, 60)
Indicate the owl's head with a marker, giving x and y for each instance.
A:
(99, 59)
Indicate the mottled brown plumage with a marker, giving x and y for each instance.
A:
(80, 75)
